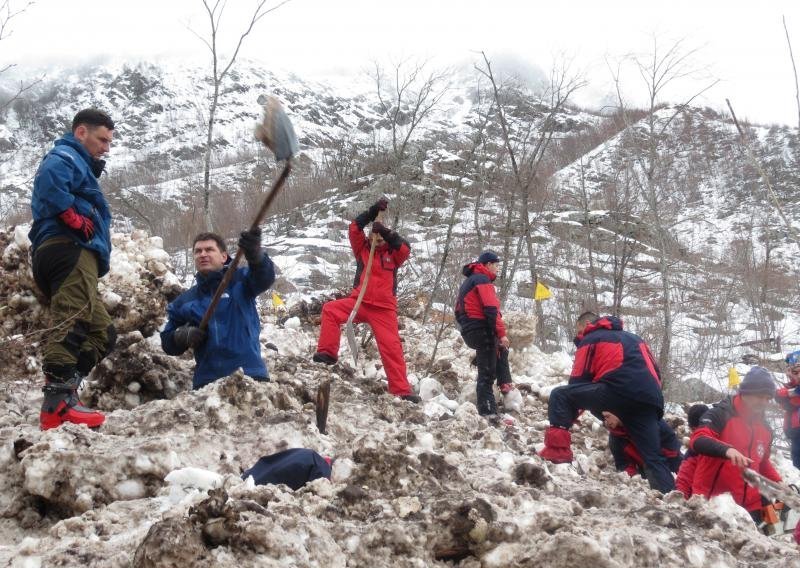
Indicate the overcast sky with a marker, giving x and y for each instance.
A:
(741, 43)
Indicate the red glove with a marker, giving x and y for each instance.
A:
(782, 393)
(78, 222)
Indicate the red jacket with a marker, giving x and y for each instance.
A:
(789, 399)
(477, 305)
(728, 424)
(608, 353)
(685, 478)
(382, 285)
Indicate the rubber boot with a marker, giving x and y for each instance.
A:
(61, 403)
(557, 442)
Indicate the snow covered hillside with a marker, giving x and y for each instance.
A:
(413, 485)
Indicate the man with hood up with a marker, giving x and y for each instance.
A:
(478, 315)
(378, 308)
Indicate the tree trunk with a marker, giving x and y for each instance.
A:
(207, 159)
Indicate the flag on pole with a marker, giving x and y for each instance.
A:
(277, 302)
(542, 292)
(733, 378)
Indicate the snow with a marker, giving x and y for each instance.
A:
(187, 478)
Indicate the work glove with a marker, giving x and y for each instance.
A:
(79, 223)
(189, 336)
(368, 216)
(382, 230)
(250, 243)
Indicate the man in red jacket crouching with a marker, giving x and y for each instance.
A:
(614, 371)
(732, 436)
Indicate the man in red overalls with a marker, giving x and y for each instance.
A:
(379, 305)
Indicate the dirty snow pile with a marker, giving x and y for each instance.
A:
(413, 485)
(135, 292)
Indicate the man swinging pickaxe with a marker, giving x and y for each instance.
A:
(373, 300)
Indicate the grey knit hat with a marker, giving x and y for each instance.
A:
(758, 381)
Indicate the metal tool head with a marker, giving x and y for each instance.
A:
(350, 332)
(275, 130)
(322, 405)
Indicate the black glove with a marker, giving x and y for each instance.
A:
(371, 214)
(381, 229)
(391, 237)
(250, 243)
(188, 336)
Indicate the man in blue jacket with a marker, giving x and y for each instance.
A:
(231, 340)
(71, 247)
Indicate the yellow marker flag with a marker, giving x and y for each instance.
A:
(542, 292)
(277, 302)
(733, 378)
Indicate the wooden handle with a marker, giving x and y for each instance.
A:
(372, 246)
(226, 279)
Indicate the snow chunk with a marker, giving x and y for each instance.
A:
(193, 478)
(131, 489)
(429, 388)
(292, 323)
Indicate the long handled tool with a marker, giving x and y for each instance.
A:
(276, 133)
(349, 328)
(772, 489)
(776, 521)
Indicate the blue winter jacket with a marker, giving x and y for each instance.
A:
(233, 331)
(65, 179)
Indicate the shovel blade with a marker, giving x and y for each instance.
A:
(351, 340)
(275, 130)
(323, 397)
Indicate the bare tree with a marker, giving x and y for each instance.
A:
(794, 69)
(527, 156)
(219, 70)
(7, 14)
(653, 167)
(455, 198)
(407, 93)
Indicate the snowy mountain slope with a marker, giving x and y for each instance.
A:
(716, 204)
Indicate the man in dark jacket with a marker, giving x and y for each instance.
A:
(613, 371)
(379, 305)
(71, 247)
(732, 436)
(231, 340)
(478, 315)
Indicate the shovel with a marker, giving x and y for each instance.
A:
(276, 133)
(349, 328)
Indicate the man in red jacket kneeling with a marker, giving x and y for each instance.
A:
(732, 436)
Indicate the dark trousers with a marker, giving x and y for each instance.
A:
(794, 441)
(492, 364)
(641, 421)
(82, 332)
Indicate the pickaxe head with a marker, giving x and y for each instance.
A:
(275, 129)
